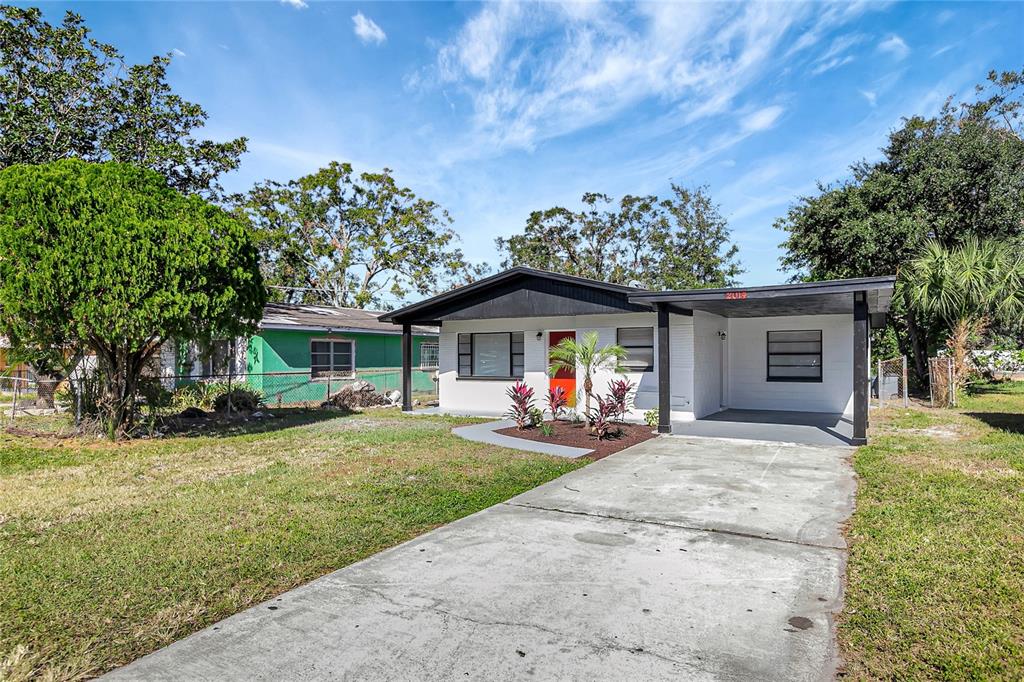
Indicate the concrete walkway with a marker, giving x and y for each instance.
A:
(485, 433)
(677, 558)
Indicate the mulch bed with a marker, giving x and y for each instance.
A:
(578, 435)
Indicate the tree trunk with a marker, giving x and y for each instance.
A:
(588, 385)
(46, 386)
(919, 348)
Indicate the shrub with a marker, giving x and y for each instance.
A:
(84, 386)
(651, 417)
(546, 430)
(621, 395)
(522, 403)
(558, 400)
(243, 399)
(154, 393)
(536, 416)
(601, 418)
(199, 394)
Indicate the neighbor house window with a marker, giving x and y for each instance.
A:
(794, 356)
(492, 354)
(332, 358)
(216, 357)
(639, 345)
(428, 356)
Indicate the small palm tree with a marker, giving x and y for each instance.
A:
(967, 287)
(569, 354)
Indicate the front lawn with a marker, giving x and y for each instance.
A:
(109, 551)
(936, 572)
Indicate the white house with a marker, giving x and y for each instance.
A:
(796, 348)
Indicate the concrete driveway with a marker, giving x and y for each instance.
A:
(679, 557)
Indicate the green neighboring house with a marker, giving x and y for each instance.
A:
(303, 351)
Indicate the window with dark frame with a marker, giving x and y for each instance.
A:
(794, 355)
(331, 357)
(639, 345)
(491, 354)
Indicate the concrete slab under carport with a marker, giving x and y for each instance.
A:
(615, 571)
(806, 428)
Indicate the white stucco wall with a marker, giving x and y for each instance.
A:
(487, 397)
(748, 387)
(708, 355)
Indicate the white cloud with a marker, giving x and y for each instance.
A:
(944, 16)
(762, 119)
(367, 30)
(833, 63)
(895, 46)
(179, 53)
(534, 72)
(871, 97)
(836, 55)
(297, 4)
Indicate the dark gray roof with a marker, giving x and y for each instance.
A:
(495, 296)
(803, 298)
(329, 318)
(425, 310)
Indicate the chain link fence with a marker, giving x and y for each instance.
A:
(60, 407)
(891, 382)
(305, 389)
(18, 395)
(942, 381)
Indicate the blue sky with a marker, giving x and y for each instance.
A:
(497, 109)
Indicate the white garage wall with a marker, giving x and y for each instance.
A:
(707, 352)
(485, 397)
(748, 387)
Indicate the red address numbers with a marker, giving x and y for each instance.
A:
(735, 295)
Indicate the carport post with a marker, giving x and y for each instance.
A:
(664, 375)
(407, 368)
(860, 368)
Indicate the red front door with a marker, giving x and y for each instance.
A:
(566, 378)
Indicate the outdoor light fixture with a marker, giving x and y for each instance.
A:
(721, 335)
(540, 335)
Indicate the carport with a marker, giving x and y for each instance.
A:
(804, 428)
(784, 363)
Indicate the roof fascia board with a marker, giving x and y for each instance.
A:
(778, 291)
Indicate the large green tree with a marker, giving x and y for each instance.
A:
(335, 238)
(681, 242)
(947, 178)
(110, 259)
(65, 94)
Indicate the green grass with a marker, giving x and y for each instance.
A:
(936, 571)
(109, 551)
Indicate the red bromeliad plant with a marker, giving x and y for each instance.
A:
(601, 418)
(620, 396)
(522, 404)
(558, 400)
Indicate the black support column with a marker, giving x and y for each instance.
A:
(664, 375)
(406, 367)
(860, 368)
